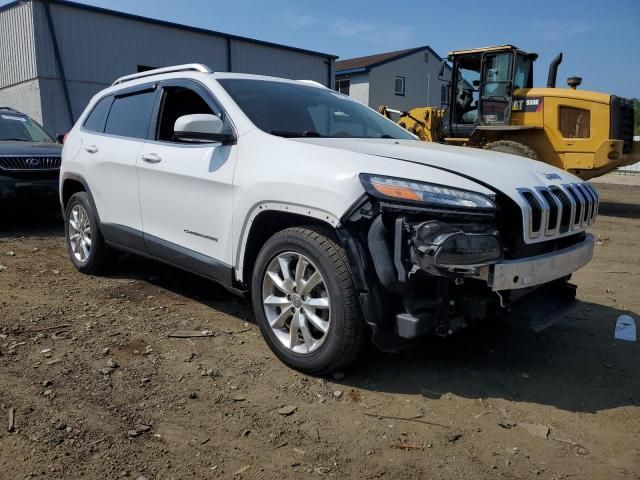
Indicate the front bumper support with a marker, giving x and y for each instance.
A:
(529, 272)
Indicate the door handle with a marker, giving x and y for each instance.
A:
(91, 149)
(151, 158)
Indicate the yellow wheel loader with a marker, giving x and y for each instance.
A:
(492, 104)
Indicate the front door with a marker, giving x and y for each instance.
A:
(463, 111)
(186, 195)
(496, 89)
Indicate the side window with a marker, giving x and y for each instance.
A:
(343, 86)
(129, 115)
(95, 120)
(399, 86)
(176, 102)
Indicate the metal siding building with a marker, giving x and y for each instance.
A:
(371, 79)
(51, 73)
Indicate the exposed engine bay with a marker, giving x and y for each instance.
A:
(431, 271)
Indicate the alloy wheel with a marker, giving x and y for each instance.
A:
(79, 233)
(296, 302)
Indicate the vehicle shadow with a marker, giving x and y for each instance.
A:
(31, 217)
(575, 365)
(622, 210)
(182, 283)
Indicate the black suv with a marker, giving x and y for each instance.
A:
(29, 157)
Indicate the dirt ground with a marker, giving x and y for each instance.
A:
(99, 390)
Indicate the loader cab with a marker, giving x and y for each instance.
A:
(482, 85)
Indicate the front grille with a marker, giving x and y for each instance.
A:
(29, 163)
(558, 211)
(622, 122)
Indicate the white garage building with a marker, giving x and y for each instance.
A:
(55, 55)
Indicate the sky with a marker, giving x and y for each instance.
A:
(600, 39)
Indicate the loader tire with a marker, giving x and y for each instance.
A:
(513, 148)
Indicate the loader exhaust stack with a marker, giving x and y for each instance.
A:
(553, 71)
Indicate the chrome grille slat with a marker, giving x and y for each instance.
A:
(566, 208)
(19, 163)
(544, 222)
(583, 208)
(596, 198)
(575, 223)
(574, 204)
(555, 210)
(585, 192)
(555, 221)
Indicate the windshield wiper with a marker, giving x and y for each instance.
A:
(15, 140)
(284, 133)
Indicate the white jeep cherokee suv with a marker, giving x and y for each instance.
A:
(339, 224)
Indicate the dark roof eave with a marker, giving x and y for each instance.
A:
(165, 23)
(393, 58)
(352, 70)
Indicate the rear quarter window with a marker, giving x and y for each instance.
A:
(95, 120)
(129, 116)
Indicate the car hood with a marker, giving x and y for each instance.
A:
(37, 149)
(496, 171)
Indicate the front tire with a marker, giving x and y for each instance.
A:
(305, 302)
(85, 243)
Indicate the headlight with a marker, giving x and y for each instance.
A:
(426, 193)
(406, 190)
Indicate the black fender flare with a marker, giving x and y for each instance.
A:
(80, 179)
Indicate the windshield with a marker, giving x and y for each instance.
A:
(291, 110)
(19, 128)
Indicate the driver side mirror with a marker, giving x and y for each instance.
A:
(202, 128)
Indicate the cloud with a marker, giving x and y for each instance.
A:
(298, 21)
(559, 30)
(343, 27)
(370, 32)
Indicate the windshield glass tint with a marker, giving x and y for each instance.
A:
(14, 127)
(291, 110)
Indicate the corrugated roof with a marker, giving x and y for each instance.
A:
(379, 59)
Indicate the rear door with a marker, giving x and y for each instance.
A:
(112, 137)
(186, 192)
(496, 89)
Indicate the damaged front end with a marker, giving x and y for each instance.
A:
(435, 266)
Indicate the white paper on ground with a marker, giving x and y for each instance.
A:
(625, 328)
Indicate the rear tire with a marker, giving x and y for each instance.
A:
(513, 148)
(85, 243)
(288, 263)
